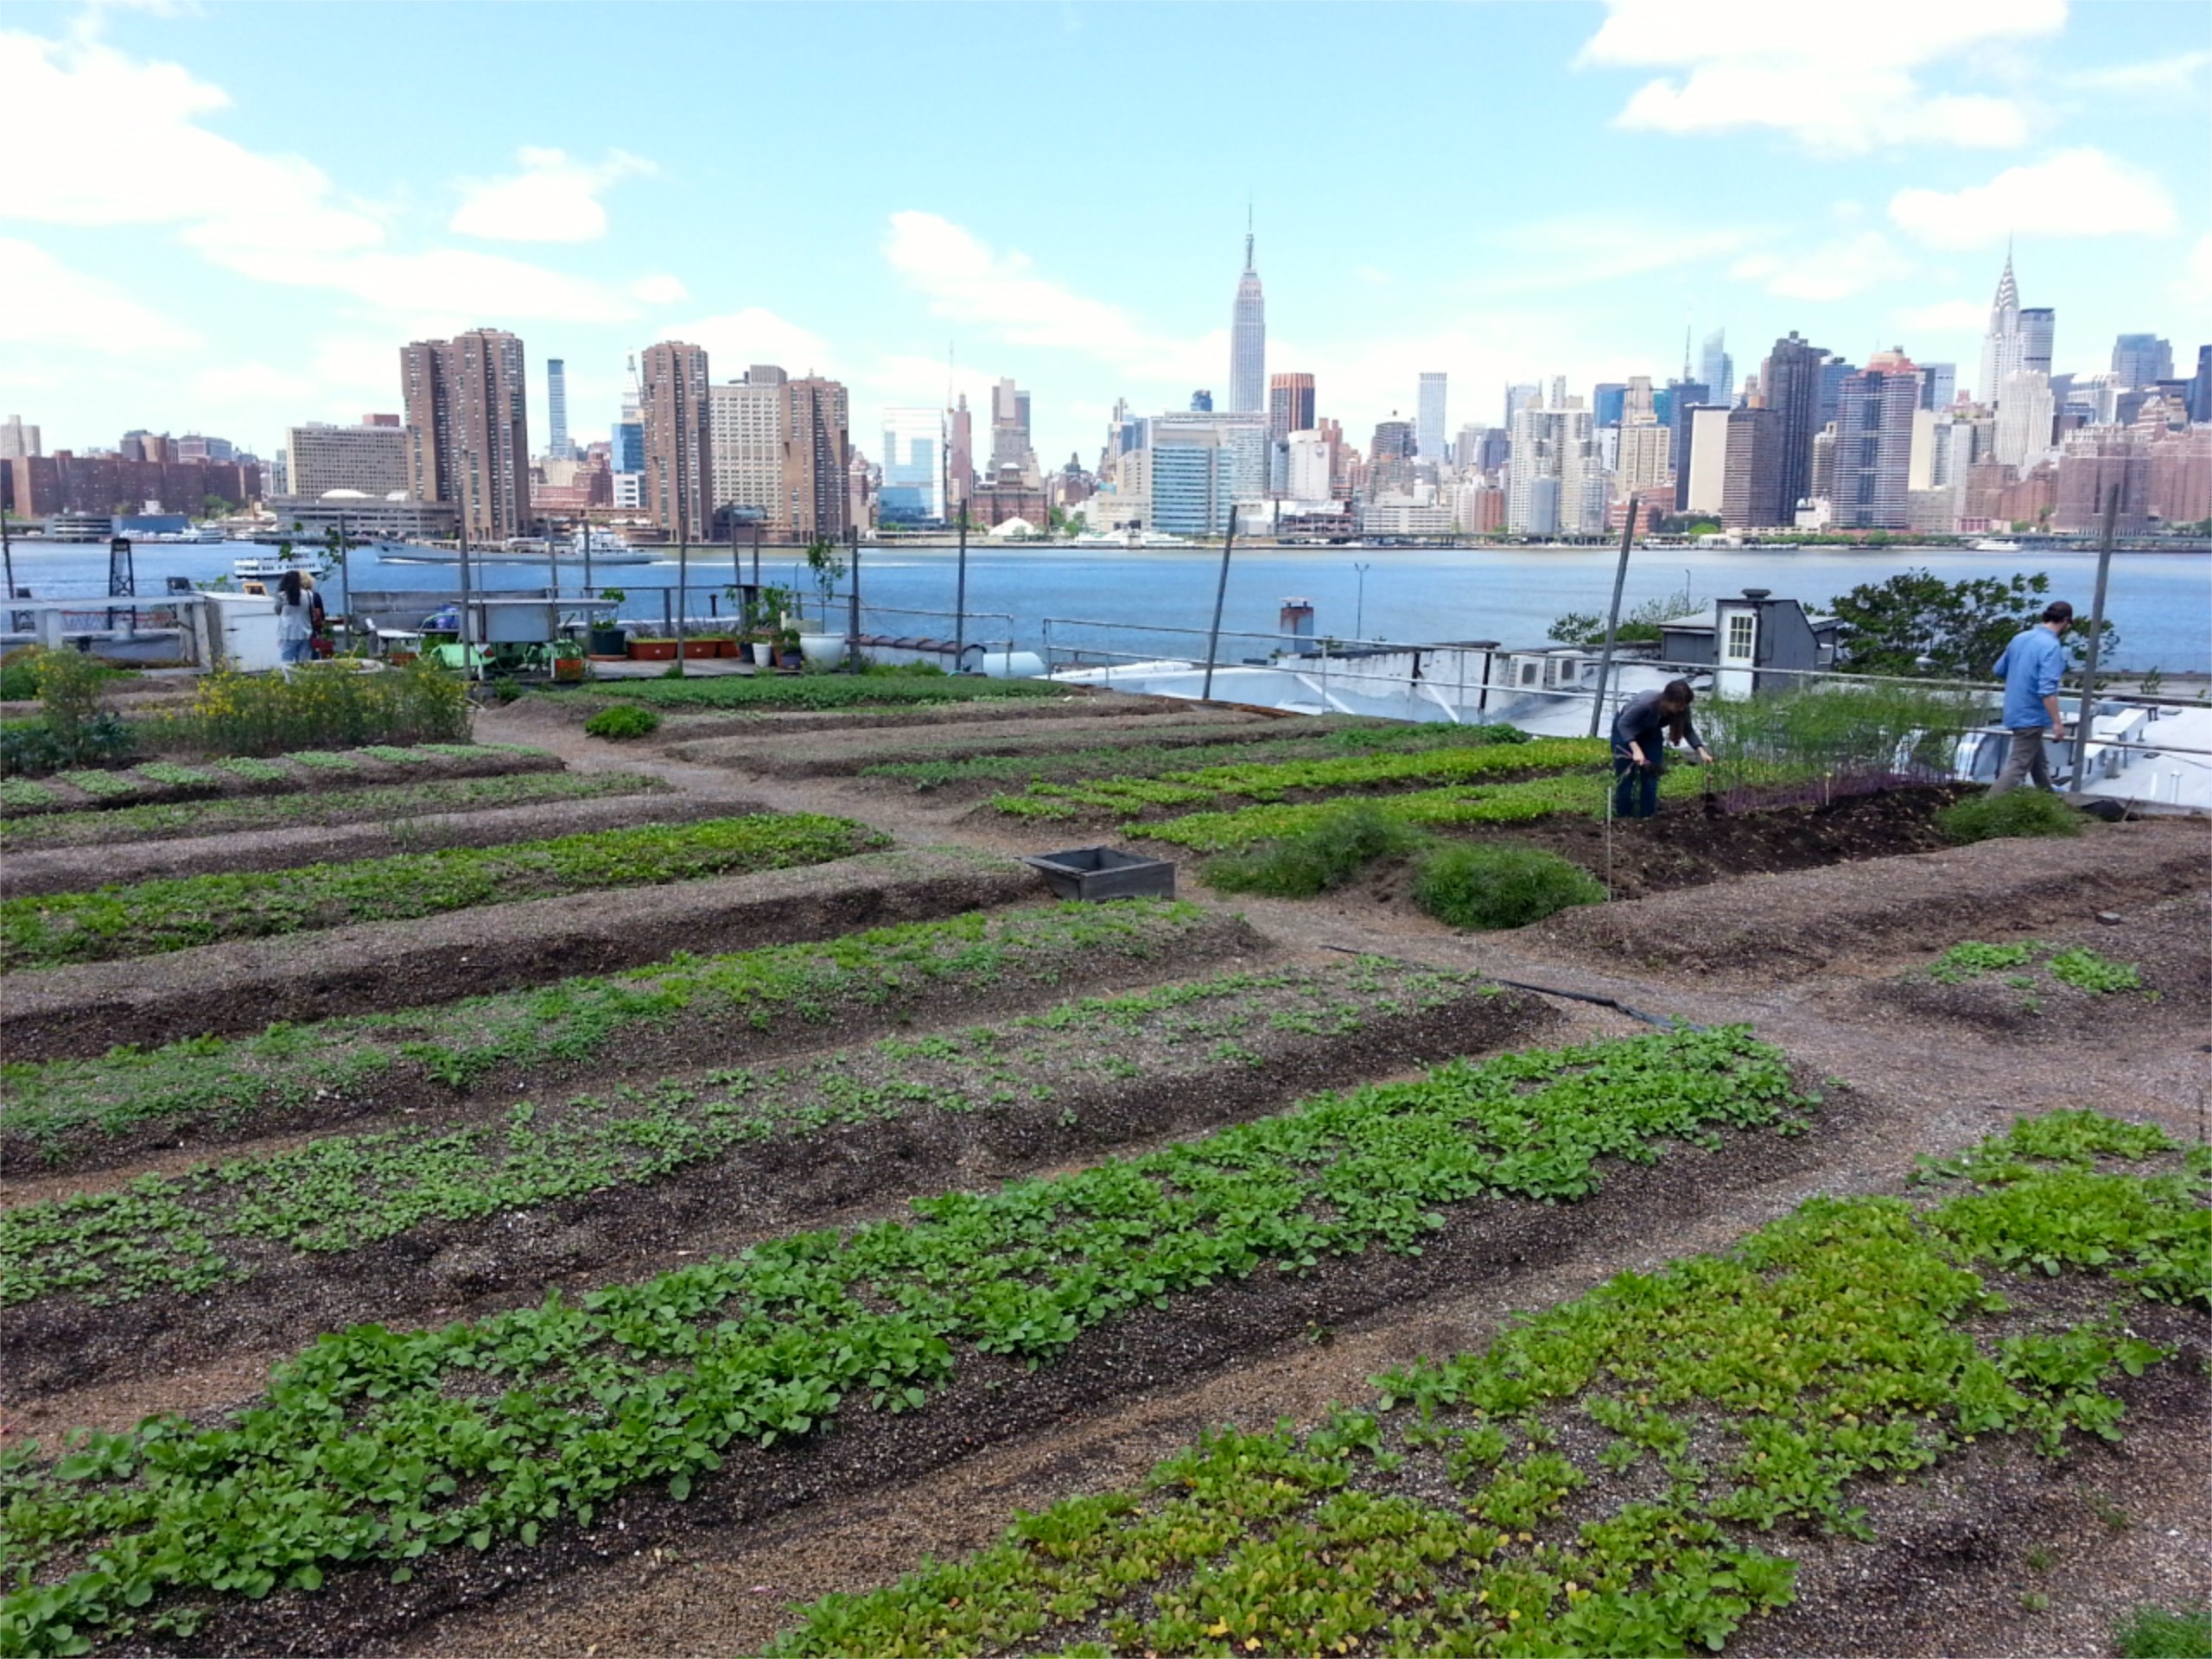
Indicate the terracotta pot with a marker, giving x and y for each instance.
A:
(652, 651)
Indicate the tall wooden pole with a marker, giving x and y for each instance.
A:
(1220, 593)
(960, 600)
(2083, 719)
(1613, 619)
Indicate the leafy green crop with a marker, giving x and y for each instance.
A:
(310, 770)
(623, 721)
(189, 1231)
(2021, 812)
(1271, 781)
(711, 1005)
(2080, 966)
(376, 1446)
(823, 691)
(176, 912)
(1471, 885)
(1855, 1341)
(377, 803)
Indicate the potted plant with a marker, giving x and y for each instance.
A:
(763, 618)
(607, 639)
(643, 650)
(700, 646)
(825, 563)
(790, 648)
(568, 659)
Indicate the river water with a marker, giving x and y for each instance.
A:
(2161, 603)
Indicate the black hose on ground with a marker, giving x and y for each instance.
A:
(1614, 1003)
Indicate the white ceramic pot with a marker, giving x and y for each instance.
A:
(823, 649)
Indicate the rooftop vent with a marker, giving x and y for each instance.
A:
(1757, 593)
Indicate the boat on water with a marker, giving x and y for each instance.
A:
(265, 567)
(1992, 545)
(1130, 538)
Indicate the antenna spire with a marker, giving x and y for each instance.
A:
(1248, 233)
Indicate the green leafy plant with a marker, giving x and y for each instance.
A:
(330, 704)
(1490, 886)
(2021, 812)
(171, 914)
(622, 722)
(843, 691)
(2162, 1633)
(1335, 850)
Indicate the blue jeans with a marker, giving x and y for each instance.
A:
(295, 651)
(1636, 789)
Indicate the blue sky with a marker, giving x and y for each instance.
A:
(227, 218)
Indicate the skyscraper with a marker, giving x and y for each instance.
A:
(1683, 396)
(2025, 412)
(1247, 341)
(1290, 404)
(1429, 417)
(679, 450)
(1715, 368)
(1875, 408)
(2000, 345)
(1553, 481)
(1518, 396)
(2142, 360)
(1751, 493)
(1010, 445)
(2200, 392)
(960, 460)
(745, 428)
(469, 430)
(914, 467)
(18, 441)
(1792, 386)
(557, 408)
(817, 455)
(2038, 323)
(1939, 385)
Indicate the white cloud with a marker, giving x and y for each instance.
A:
(1575, 249)
(1951, 316)
(1834, 270)
(552, 199)
(662, 289)
(2156, 75)
(50, 305)
(736, 340)
(245, 382)
(1839, 80)
(2194, 285)
(2074, 193)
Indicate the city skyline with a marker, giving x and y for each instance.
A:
(1867, 216)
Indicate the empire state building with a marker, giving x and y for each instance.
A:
(1248, 342)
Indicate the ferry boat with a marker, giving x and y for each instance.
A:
(1990, 545)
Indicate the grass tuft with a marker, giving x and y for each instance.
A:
(2155, 1633)
(622, 722)
(2023, 812)
(1501, 886)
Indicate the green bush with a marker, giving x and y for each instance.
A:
(628, 720)
(1500, 886)
(2023, 812)
(323, 706)
(2155, 1633)
(1334, 850)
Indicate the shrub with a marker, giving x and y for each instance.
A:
(1500, 886)
(2023, 812)
(626, 721)
(1331, 852)
(323, 706)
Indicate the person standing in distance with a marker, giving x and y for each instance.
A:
(2032, 668)
(1642, 731)
(295, 621)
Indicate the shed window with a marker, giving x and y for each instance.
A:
(1740, 628)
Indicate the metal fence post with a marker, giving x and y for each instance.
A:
(2083, 719)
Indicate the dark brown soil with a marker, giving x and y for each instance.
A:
(993, 1400)
(2169, 944)
(489, 763)
(1789, 925)
(225, 989)
(66, 870)
(471, 1268)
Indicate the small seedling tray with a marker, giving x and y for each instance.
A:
(1091, 873)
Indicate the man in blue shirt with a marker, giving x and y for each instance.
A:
(2032, 667)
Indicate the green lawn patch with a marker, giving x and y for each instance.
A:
(149, 918)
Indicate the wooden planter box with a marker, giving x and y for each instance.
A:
(652, 651)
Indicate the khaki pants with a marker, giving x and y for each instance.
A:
(2023, 757)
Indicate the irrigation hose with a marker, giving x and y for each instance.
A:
(1675, 1023)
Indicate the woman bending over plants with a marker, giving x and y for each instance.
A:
(1642, 731)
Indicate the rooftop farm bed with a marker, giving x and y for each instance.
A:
(816, 691)
(378, 1459)
(154, 781)
(2103, 983)
(1640, 1470)
(810, 751)
(739, 1007)
(69, 869)
(223, 990)
(379, 1225)
(370, 803)
(46, 930)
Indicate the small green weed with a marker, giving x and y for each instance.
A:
(2157, 1633)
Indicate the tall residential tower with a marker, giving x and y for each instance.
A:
(469, 430)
